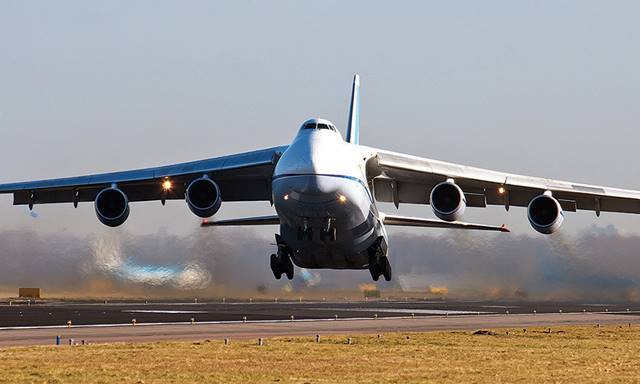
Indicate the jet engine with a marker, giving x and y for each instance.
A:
(545, 213)
(447, 201)
(112, 206)
(203, 197)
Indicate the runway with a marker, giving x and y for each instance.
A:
(266, 329)
(85, 313)
(102, 323)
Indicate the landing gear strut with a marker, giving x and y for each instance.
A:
(378, 260)
(281, 262)
(305, 232)
(328, 232)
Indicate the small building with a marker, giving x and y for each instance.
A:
(29, 293)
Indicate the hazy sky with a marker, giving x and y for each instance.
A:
(547, 88)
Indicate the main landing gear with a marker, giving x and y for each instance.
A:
(281, 262)
(381, 267)
(378, 260)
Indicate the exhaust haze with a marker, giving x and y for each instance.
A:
(598, 264)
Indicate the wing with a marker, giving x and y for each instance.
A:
(241, 177)
(400, 178)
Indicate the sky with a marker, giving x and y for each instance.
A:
(544, 88)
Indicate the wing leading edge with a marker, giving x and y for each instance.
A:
(242, 177)
(401, 178)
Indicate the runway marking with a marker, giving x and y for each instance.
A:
(404, 310)
(166, 311)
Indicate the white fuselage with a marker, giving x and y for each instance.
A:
(320, 182)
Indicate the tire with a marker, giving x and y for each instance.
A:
(386, 268)
(374, 269)
(288, 267)
(275, 267)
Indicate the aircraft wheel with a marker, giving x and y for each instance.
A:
(275, 266)
(386, 268)
(374, 269)
(288, 267)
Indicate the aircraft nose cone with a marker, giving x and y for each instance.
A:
(314, 185)
(312, 189)
(319, 190)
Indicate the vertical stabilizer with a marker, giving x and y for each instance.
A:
(353, 125)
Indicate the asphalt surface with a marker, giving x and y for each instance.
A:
(40, 323)
(83, 313)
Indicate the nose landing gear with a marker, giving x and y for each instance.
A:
(305, 232)
(328, 232)
(281, 262)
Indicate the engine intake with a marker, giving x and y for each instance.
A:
(447, 201)
(112, 207)
(203, 197)
(545, 213)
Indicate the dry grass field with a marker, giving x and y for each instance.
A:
(565, 354)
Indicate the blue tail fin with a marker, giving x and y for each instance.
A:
(353, 125)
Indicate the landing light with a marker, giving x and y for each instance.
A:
(342, 198)
(167, 185)
(286, 197)
(501, 190)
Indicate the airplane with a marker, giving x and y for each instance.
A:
(325, 190)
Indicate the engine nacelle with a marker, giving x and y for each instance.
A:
(545, 213)
(447, 201)
(203, 197)
(112, 206)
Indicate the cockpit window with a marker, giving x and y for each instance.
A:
(319, 126)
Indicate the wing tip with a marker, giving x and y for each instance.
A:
(504, 228)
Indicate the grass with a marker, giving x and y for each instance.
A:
(566, 354)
